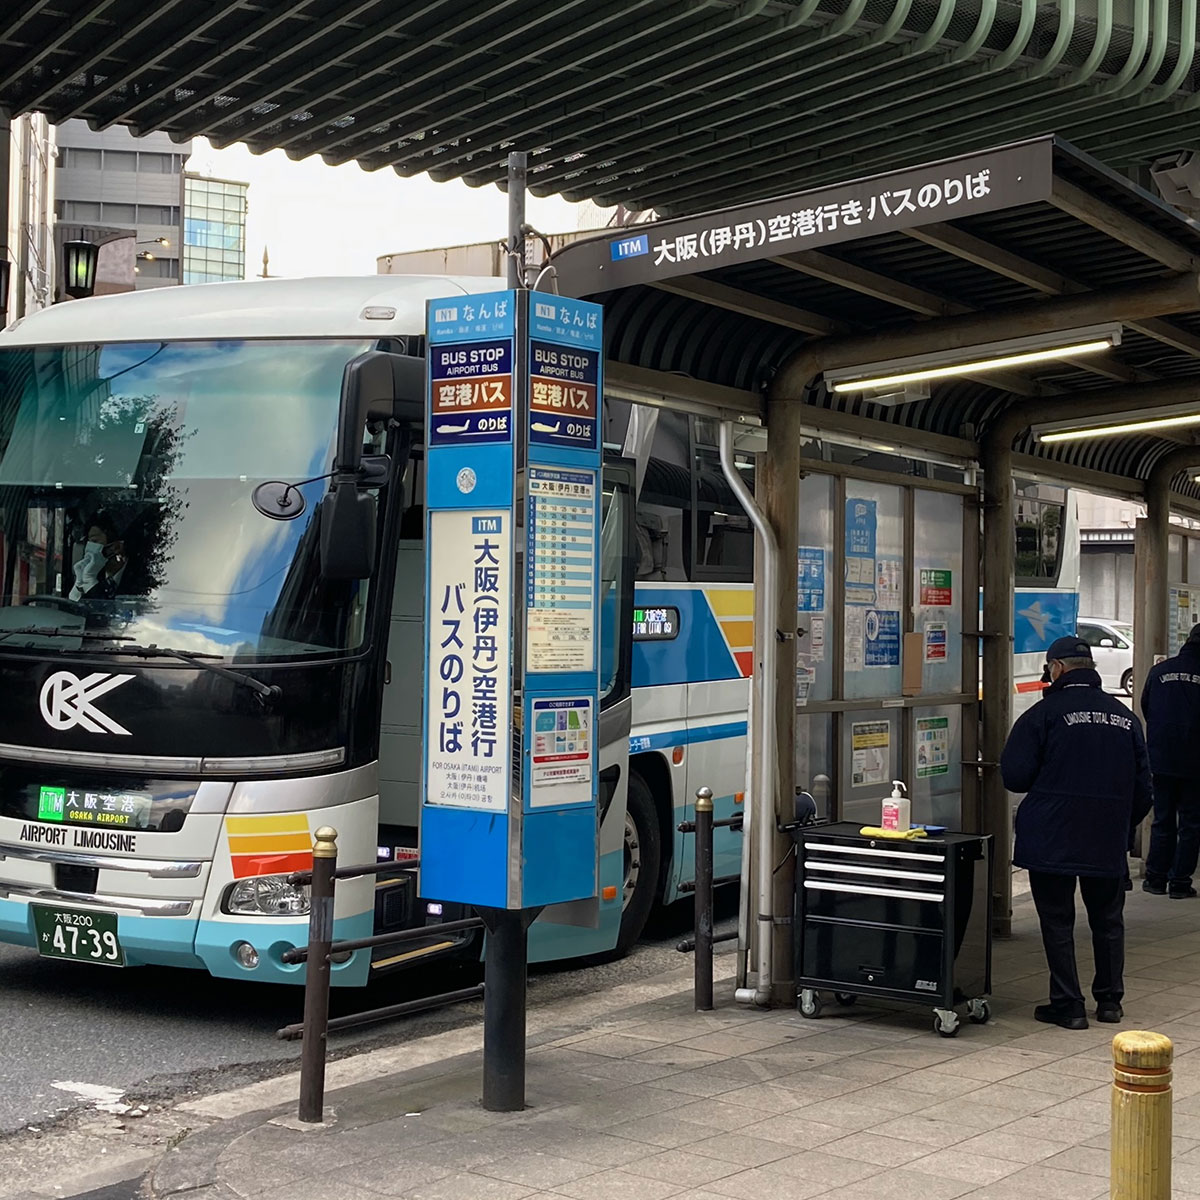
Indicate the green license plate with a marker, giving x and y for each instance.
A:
(77, 935)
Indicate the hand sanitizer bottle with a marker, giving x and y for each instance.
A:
(897, 810)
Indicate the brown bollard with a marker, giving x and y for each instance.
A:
(1140, 1162)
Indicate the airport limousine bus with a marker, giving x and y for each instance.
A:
(186, 695)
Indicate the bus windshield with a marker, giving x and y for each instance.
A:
(126, 474)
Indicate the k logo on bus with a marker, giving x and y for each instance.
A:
(67, 701)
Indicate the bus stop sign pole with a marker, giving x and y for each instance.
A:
(509, 820)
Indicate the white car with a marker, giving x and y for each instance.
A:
(1112, 648)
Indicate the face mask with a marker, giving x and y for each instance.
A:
(1046, 676)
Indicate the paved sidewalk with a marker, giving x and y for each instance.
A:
(657, 1101)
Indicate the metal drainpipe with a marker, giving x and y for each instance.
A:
(763, 821)
(996, 710)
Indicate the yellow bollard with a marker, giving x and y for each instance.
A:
(1140, 1163)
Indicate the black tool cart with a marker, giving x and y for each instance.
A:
(897, 919)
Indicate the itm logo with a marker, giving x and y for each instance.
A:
(67, 701)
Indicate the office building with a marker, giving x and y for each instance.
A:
(214, 229)
(114, 181)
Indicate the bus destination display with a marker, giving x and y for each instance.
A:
(655, 624)
(121, 810)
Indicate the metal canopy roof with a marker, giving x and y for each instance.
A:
(683, 297)
(679, 105)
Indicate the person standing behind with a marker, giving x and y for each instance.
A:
(1080, 758)
(1171, 708)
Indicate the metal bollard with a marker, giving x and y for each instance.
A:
(703, 985)
(316, 986)
(1140, 1162)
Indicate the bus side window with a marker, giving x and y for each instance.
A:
(664, 507)
(724, 535)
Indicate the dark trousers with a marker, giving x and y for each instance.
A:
(1175, 834)
(1104, 899)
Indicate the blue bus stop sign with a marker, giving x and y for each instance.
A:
(513, 496)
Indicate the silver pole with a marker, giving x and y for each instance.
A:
(763, 717)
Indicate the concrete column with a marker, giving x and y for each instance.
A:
(996, 710)
(780, 499)
(1152, 639)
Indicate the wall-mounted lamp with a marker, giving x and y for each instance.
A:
(158, 241)
(895, 374)
(79, 268)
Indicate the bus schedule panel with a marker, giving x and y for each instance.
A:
(509, 781)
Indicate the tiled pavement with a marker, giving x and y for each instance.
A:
(865, 1103)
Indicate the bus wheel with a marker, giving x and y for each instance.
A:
(642, 861)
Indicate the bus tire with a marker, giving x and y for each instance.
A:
(642, 862)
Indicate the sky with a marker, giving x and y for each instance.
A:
(322, 220)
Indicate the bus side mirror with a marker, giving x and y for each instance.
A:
(376, 386)
(347, 533)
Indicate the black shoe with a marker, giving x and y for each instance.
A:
(1109, 1011)
(1155, 889)
(1181, 893)
(1128, 884)
(1048, 1014)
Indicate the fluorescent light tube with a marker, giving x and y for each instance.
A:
(1084, 431)
(978, 365)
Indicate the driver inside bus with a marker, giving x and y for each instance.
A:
(101, 564)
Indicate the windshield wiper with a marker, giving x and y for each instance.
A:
(63, 631)
(264, 691)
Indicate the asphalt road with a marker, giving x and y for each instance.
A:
(156, 1033)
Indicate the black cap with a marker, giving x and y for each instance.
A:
(1194, 636)
(1068, 647)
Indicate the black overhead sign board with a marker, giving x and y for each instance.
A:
(977, 183)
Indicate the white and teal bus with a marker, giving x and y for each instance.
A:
(185, 693)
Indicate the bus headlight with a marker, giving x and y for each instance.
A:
(267, 896)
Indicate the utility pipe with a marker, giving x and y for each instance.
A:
(765, 670)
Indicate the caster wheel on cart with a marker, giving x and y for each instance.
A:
(845, 999)
(979, 1012)
(810, 1003)
(945, 1022)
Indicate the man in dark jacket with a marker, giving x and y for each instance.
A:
(1171, 707)
(1080, 758)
